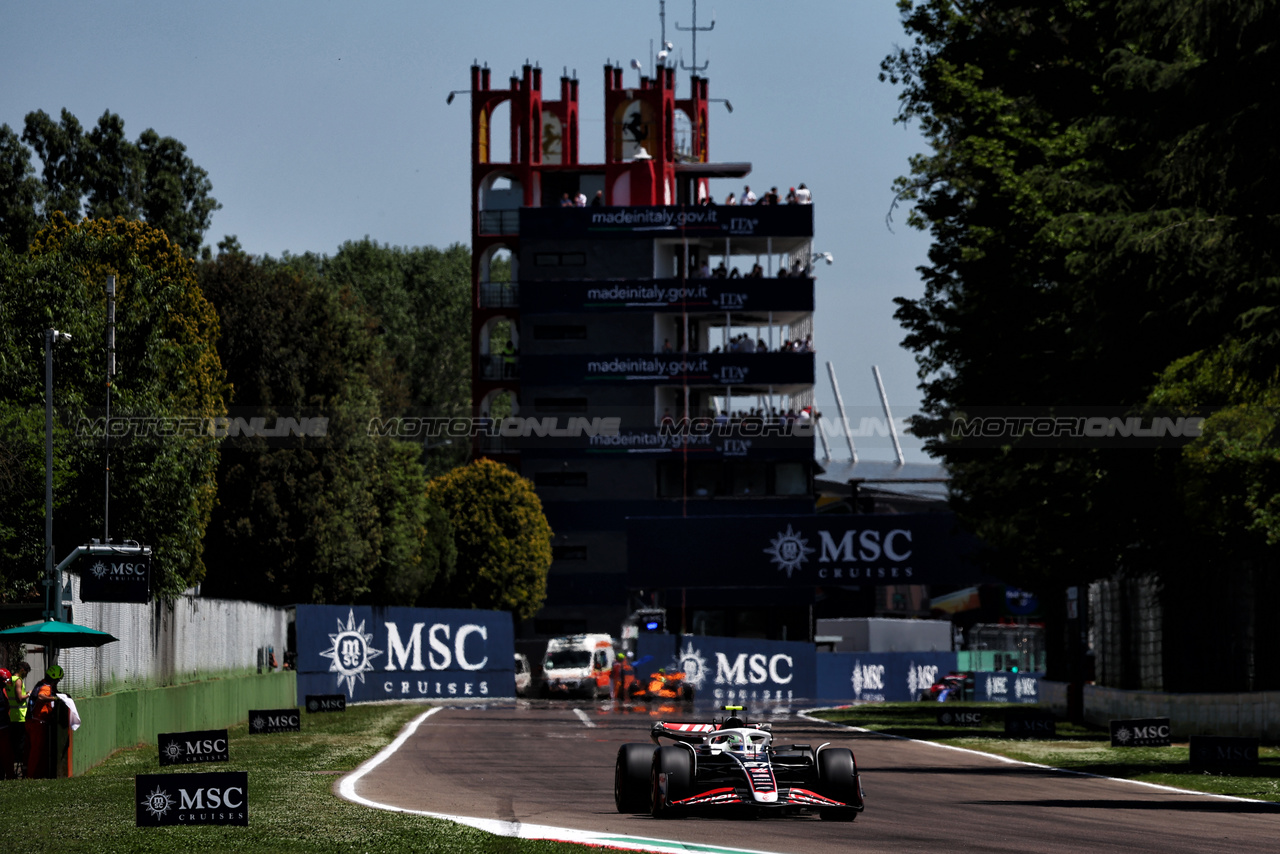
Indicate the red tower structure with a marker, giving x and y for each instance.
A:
(640, 222)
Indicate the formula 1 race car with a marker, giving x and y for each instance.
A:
(732, 764)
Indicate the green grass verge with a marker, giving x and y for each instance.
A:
(1076, 747)
(292, 807)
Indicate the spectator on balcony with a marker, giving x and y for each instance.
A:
(704, 272)
(782, 271)
(757, 272)
(803, 196)
(508, 360)
(806, 346)
(734, 274)
(771, 197)
(748, 197)
(580, 200)
(797, 267)
(666, 417)
(565, 201)
(666, 346)
(761, 347)
(598, 201)
(730, 200)
(720, 272)
(791, 196)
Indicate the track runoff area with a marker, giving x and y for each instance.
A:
(1232, 823)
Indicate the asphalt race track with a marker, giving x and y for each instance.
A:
(551, 763)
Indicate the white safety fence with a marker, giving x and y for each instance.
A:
(167, 642)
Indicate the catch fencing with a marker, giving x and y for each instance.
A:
(168, 642)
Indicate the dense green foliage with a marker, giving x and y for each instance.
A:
(337, 517)
(162, 490)
(502, 537)
(100, 174)
(1100, 193)
(419, 300)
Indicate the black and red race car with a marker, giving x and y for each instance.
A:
(732, 764)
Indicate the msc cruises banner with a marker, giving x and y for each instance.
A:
(794, 551)
(753, 672)
(669, 221)
(717, 369)
(744, 671)
(371, 653)
(695, 295)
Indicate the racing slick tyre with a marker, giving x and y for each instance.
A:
(674, 767)
(631, 777)
(838, 779)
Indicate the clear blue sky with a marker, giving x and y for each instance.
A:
(321, 122)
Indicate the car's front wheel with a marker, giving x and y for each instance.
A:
(671, 779)
(838, 780)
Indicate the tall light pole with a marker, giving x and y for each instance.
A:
(52, 596)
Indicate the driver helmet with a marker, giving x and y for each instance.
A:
(54, 671)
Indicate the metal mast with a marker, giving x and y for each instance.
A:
(695, 29)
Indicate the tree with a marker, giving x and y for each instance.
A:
(502, 538)
(335, 516)
(1100, 191)
(420, 299)
(105, 175)
(162, 487)
(20, 192)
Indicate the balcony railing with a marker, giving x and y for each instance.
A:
(499, 295)
(500, 222)
(499, 367)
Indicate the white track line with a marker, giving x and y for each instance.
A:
(585, 718)
(347, 789)
(805, 714)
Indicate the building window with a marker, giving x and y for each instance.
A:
(554, 332)
(568, 552)
(560, 259)
(573, 405)
(790, 479)
(560, 478)
(749, 479)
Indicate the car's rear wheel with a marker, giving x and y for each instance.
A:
(631, 777)
(672, 770)
(838, 780)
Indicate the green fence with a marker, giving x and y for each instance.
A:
(132, 718)
(994, 660)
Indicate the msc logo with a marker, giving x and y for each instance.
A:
(920, 677)
(214, 798)
(866, 679)
(352, 652)
(185, 748)
(755, 669)
(265, 721)
(788, 550)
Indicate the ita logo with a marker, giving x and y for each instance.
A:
(789, 550)
(352, 653)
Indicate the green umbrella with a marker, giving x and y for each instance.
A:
(56, 633)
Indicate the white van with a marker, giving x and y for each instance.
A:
(577, 665)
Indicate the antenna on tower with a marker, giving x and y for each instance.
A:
(695, 29)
